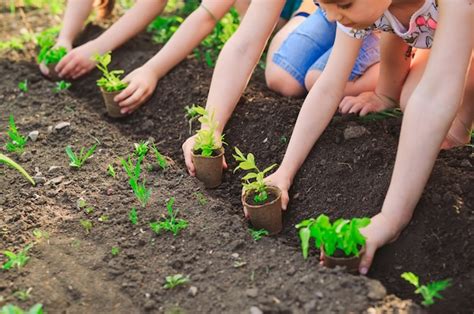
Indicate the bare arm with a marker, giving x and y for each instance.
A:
(76, 14)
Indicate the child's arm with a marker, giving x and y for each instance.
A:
(428, 116)
(395, 57)
(75, 15)
(77, 62)
(317, 110)
(236, 62)
(195, 28)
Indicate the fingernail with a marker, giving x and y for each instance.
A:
(363, 271)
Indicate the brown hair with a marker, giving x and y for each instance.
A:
(104, 8)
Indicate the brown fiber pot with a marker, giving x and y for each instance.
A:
(266, 216)
(209, 169)
(113, 109)
(52, 74)
(351, 263)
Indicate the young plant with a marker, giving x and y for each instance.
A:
(258, 234)
(139, 189)
(16, 260)
(40, 235)
(193, 113)
(141, 149)
(110, 80)
(205, 142)
(133, 216)
(258, 184)
(170, 223)
(82, 204)
(87, 225)
(111, 170)
(13, 309)
(201, 198)
(48, 54)
(61, 86)
(78, 160)
(160, 159)
(23, 295)
(430, 291)
(115, 251)
(4, 159)
(103, 218)
(16, 142)
(175, 280)
(133, 170)
(23, 86)
(343, 234)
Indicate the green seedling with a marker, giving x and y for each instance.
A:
(175, 280)
(283, 139)
(23, 86)
(13, 309)
(139, 189)
(343, 234)
(40, 235)
(5, 160)
(205, 142)
(430, 291)
(258, 234)
(160, 159)
(76, 161)
(163, 27)
(115, 251)
(61, 86)
(50, 55)
(87, 225)
(133, 170)
(141, 192)
(16, 142)
(82, 204)
(258, 184)
(133, 216)
(201, 198)
(111, 170)
(23, 295)
(385, 114)
(170, 223)
(16, 260)
(193, 113)
(103, 218)
(110, 80)
(141, 149)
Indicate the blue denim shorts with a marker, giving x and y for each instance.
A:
(308, 48)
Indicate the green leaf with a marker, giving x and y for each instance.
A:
(304, 234)
(411, 278)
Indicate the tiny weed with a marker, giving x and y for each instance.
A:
(430, 291)
(40, 235)
(139, 189)
(76, 161)
(23, 86)
(13, 309)
(170, 224)
(115, 251)
(82, 204)
(16, 260)
(103, 218)
(141, 192)
(175, 280)
(87, 225)
(200, 198)
(258, 234)
(23, 295)
(283, 139)
(160, 159)
(193, 113)
(61, 86)
(141, 149)
(238, 264)
(111, 170)
(133, 216)
(16, 142)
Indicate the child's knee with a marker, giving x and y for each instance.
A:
(280, 81)
(311, 78)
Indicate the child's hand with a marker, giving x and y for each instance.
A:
(187, 151)
(43, 68)
(364, 103)
(141, 84)
(282, 181)
(77, 62)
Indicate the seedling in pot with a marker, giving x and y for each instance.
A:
(193, 113)
(141, 149)
(87, 225)
(16, 142)
(261, 201)
(341, 242)
(23, 86)
(160, 159)
(13, 309)
(175, 280)
(258, 234)
(430, 291)
(50, 55)
(133, 216)
(16, 260)
(171, 223)
(5, 160)
(111, 170)
(76, 161)
(61, 86)
(115, 251)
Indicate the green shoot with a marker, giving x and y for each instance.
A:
(258, 234)
(160, 159)
(111, 170)
(141, 192)
(170, 224)
(110, 80)
(388, 113)
(4, 159)
(16, 260)
(23, 295)
(115, 251)
(23, 86)
(201, 198)
(87, 225)
(258, 185)
(16, 142)
(283, 139)
(141, 149)
(13, 309)
(82, 204)
(103, 218)
(163, 27)
(193, 113)
(430, 291)
(61, 86)
(133, 216)
(205, 141)
(133, 171)
(343, 234)
(175, 280)
(78, 160)
(40, 235)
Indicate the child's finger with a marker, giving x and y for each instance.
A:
(79, 74)
(284, 199)
(224, 163)
(365, 111)
(367, 258)
(346, 107)
(134, 99)
(127, 92)
(63, 62)
(67, 69)
(356, 108)
(187, 157)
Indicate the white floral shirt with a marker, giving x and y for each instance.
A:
(419, 34)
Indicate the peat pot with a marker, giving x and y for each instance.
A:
(113, 109)
(209, 169)
(266, 216)
(351, 263)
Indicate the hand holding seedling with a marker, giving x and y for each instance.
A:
(141, 84)
(282, 182)
(78, 61)
(187, 151)
(364, 103)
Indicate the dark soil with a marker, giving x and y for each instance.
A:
(75, 272)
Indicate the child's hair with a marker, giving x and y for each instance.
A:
(104, 8)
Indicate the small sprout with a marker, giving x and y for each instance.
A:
(13, 309)
(238, 264)
(430, 291)
(111, 170)
(115, 250)
(5, 160)
(89, 210)
(141, 149)
(193, 113)
(23, 295)
(78, 160)
(205, 141)
(110, 80)
(103, 218)
(283, 139)
(23, 86)
(139, 189)
(87, 225)
(82, 204)
(170, 224)
(16, 142)
(175, 280)
(201, 198)
(40, 234)
(61, 86)
(133, 216)
(16, 260)
(160, 159)
(258, 234)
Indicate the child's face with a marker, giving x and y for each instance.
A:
(355, 13)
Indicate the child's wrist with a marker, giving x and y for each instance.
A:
(394, 103)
